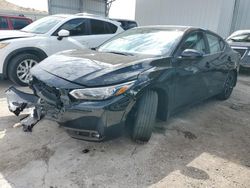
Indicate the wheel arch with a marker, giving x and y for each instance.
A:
(31, 50)
(163, 101)
(236, 76)
(162, 107)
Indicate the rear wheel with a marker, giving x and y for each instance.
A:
(228, 86)
(19, 68)
(145, 117)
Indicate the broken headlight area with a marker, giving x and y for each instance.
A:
(49, 94)
(18, 101)
(101, 93)
(82, 118)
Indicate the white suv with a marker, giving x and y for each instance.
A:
(21, 50)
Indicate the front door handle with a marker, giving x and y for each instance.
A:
(207, 65)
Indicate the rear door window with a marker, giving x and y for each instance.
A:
(19, 23)
(3, 23)
(110, 28)
(76, 27)
(195, 41)
(99, 27)
(214, 43)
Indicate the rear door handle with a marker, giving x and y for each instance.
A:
(207, 65)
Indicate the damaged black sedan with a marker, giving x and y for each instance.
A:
(142, 74)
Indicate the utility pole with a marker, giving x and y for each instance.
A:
(108, 6)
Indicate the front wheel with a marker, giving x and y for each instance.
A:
(19, 68)
(145, 116)
(228, 86)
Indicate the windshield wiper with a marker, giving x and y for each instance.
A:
(121, 53)
(23, 31)
(234, 40)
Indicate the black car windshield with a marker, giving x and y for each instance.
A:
(240, 38)
(43, 25)
(147, 41)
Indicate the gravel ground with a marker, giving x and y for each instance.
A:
(205, 146)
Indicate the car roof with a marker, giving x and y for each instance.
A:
(184, 29)
(169, 27)
(82, 15)
(239, 32)
(11, 16)
(86, 15)
(242, 31)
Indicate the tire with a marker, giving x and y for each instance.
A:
(145, 117)
(228, 86)
(17, 68)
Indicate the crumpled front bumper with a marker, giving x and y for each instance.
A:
(245, 61)
(87, 120)
(18, 101)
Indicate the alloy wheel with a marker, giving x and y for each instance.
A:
(23, 70)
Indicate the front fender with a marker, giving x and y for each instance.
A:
(41, 54)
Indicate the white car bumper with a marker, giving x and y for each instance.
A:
(3, 56)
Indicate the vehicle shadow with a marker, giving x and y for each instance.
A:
(212, 127)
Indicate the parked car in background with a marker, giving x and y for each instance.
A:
(13, 22)
(141, 74)
(21, 50)
(240, 42)
(127, 24)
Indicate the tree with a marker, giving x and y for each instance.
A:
(108, 6)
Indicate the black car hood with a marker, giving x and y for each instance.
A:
(90, 68)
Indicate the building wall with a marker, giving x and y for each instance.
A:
(76, 6)
(216, 15)
(226, 17)
(241, 19)
(64, 6)
(95, 7)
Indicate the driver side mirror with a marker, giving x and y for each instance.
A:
(63, 33)
(191, 54)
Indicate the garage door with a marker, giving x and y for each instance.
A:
(95, 7)
(241, 19)
(65, 6)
